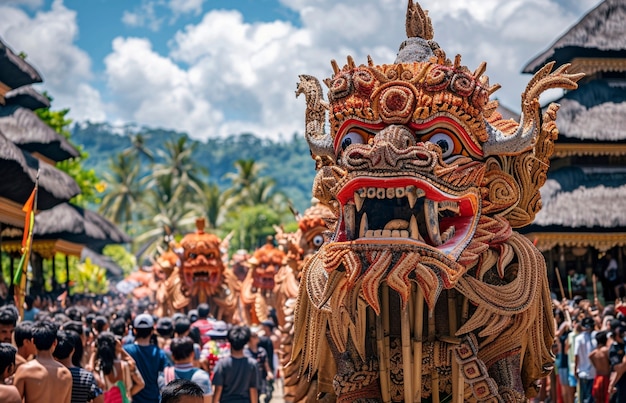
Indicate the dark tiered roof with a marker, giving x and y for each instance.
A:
(599, 34)
(595, 111)
(78, 225)
(19, 171)
(26, 97)
(16, 72)
(24, 128)
(589, 199)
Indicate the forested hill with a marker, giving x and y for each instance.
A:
(287, 161)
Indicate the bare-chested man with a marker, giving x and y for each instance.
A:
(43, 378)
(8, 393)
(23, 337)
(599, 358)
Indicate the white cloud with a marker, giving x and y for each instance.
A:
(179, 7)
(225, 75)
(145, 15)
(28, 3)
(48, 41)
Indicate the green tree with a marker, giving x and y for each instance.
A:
(124, 189)
(180, 165)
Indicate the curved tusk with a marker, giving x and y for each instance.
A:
(500, 143)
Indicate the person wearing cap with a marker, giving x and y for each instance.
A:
(149, 358)
(584, 344)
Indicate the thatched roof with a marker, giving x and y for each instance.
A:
(19, 171)
(600, 33)
(595, 111)
(78, 225)
(15, 71)
(579, 199)
(24, 128)
(26, 97)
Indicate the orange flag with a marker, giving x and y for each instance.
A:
(28, 209)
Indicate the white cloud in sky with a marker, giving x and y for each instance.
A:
(225, 75)
(179, 7)
(48, 42)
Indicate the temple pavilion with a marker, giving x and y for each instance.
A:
(583, 220)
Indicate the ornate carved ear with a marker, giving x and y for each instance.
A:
(530, 170)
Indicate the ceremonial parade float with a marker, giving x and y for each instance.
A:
(424, 293)
(259, 289)
(205, 279)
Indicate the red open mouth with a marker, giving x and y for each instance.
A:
(406, 210)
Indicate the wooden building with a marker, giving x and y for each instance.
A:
(583, 219)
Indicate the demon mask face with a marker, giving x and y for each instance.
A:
(427, 181)
(202, 262)
(264, 265)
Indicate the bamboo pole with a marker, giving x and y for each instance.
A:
(558, 277)
(405, 327)
(418, 334)
(385, 356)
(383, 367)
(458, 382)
(434, 375)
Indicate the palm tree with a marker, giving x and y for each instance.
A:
(246, 175)
(138, 145)
(125, 189)
(180, 165)
(212, 204)
(168, 209)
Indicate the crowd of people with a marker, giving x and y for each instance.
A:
(115, 350)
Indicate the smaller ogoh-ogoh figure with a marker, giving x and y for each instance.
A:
(258, 290)
(205, 279)
(313, 231)
(170, 297)
(424, 292)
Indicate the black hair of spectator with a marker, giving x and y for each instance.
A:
(75, 326)
(79, 349)
(601, 338)
(181, 347)
(23, 331)
(203, 311)
(181, 325)
(65, 345)
(165, 327)
(7, 356)
(29, 300)
(118, 327)
(142, 333)
(74, 313)
(194, 333)
(178, 388)
(125, 314)
(238, 337)
(44, 334)
(106, 351)
(99, 323)
(8, 315)
(89, 318)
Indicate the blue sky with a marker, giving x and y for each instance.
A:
(217, 67)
